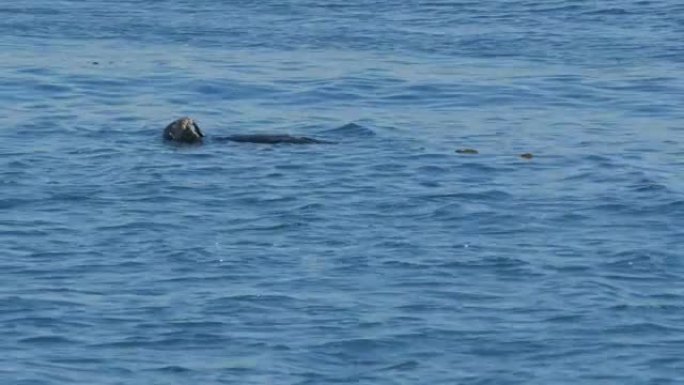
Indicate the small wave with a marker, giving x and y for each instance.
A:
(648, 187)
(200, 325)
(172, 369)
(644, 328)
(480, 168)
(432, 170)
(351, 129)
(251, 302)
(406, 365)
(358, 344)
(490, 195)
(261, 298)
(635, 260)
(6, 204)
(608, 11)
(48, 340)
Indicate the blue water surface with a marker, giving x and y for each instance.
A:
(386, 258)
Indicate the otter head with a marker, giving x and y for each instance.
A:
(183, 130)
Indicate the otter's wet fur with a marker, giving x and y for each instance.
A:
(186, 130)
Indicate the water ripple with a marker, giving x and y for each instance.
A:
(384, 258)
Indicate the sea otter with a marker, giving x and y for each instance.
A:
(185, 130)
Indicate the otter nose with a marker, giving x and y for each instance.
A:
(197, 130)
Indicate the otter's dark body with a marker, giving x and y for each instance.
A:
(185, 130)
(269, 139)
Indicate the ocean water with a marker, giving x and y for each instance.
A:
(386, 258)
